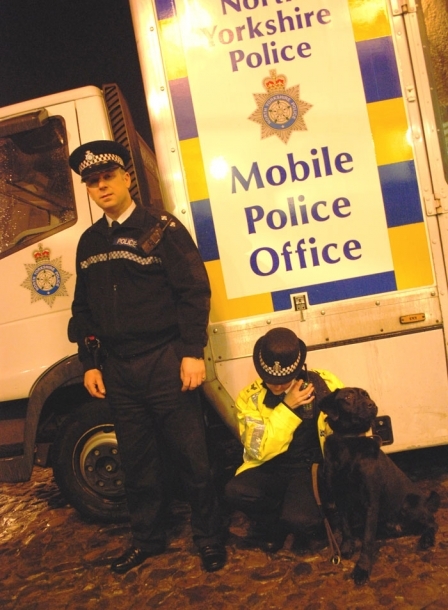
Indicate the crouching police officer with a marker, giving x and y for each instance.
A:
(283, 433)
(143, 292)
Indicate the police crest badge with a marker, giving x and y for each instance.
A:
(280, 110)
(46, 278)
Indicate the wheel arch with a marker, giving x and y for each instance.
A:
(64, 373)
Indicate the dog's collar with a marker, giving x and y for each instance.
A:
(374, 437)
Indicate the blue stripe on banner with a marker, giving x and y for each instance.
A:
(400, 193)
(183, 109)
(205, 230)
(338, 291)
(165, 9)
(379, 69)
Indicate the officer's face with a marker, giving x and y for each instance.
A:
(110, 191)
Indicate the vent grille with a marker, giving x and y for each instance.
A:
(124, 132)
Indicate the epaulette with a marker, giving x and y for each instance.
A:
(165, 218)
(255, 386)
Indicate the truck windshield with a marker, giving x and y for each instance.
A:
(36, 192)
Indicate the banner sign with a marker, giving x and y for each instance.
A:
(286, 142)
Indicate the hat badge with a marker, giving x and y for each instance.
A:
(89, 155)
(277, 367)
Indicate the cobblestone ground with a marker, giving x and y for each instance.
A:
(52, 559)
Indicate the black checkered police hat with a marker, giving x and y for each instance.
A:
(279, 356)
(98, 156)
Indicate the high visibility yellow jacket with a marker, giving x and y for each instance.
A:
(267, 432)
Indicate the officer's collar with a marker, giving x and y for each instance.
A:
(271, 400)
(128, 211)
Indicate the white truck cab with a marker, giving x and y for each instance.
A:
(44, 208)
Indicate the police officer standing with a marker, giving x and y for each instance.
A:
(142, 291)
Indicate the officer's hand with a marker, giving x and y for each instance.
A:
(296, 396)
(93, 382)
(192, 373)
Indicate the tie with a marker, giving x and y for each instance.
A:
(113, 226)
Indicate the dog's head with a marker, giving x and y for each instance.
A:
(349, 411)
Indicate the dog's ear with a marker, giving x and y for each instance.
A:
(433, 502)
(329, 406)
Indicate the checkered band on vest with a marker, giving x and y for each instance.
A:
(92, 159)
(277, 370)
(101, 258)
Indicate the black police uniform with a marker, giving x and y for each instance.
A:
(149, 310)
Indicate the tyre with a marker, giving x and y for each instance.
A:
(86, 464)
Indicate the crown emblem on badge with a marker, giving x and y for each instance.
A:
(42, 254)
(274, 82)
(279, 110)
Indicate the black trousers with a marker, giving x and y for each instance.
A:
(152, 417)
(277, 495)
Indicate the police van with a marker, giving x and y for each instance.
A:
(303, 143)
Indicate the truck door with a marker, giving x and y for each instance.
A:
(39, 223)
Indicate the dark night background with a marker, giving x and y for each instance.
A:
(48, 46)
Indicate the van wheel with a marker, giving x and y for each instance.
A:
(86, 464)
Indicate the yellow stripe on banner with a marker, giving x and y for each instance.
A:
(231, 309)
(389, 127)
(194, 169)
(369, 19)
(410, 254)
(172, 50)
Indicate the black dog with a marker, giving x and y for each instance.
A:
(365, 482)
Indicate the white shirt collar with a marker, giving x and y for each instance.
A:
(123, 216)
